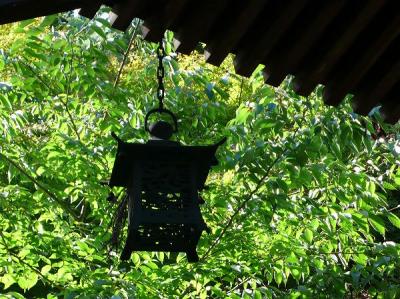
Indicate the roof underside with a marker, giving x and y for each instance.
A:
(351, 47)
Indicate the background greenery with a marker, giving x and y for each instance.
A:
(305, 202)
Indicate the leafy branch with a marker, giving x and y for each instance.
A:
(68, 92)
(249, 196)
(242, 205)
(60, 202)
(20, 260)
(54, 92)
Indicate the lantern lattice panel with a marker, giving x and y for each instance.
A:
(165, 215)
(167, 186)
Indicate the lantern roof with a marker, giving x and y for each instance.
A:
(158, 151)
(349, 46)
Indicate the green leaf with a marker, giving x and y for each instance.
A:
(28, 280)
(308, 235)
(242, 114)
(296, 273)
(15, 295)
(2, 63)
(152, 265)
(257, 294)
(292, 258)
(25, 23)
(5, 101)
(389, 186)
(7, 280)
(278, 274)
(135, 258)
(40, 170)
(394, 220)
(377, 223)
(361, 259)
(46, 269)
(99, 31)
(48, 20)
(372, 187)
(160, 256)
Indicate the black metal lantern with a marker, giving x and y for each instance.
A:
(163, 180)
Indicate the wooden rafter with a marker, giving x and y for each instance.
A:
(262, 46)
(16, 10)
(307, 80)
(199, 18)
(288, 58)
(154, 26)
(228, 36)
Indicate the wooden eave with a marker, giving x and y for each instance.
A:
(351, 47)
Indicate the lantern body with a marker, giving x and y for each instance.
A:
(163, 179)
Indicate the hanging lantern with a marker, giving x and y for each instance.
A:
(163, 180)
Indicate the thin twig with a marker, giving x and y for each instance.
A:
(243, 204)
(239, 98)
(393, 209)
(60, 202)
(74, 127)
(125, 58)
(248, 198)
(241, 283)
(54, 92)
(51, 89)
(68, 91)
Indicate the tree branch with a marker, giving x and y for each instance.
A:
(60, 202)
(54, 92)
(247, 199)
(242, 205)
(395, 208)
(125, 58)
(68, 91)
(74, 127)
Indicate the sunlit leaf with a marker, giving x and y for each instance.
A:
(27, 280)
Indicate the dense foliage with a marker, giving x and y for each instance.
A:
(305, 202)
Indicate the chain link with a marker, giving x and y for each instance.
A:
(160, 75)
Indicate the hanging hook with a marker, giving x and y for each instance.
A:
(160, 110)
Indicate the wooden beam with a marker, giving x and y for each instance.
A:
(90, 10)
(125, 11)
(228, 36)
(391, 113)
(198, 22)
(17, 10)
(252, 55)
(365, 100)
(154, 27)
(307, 80)
(336, 90)
(390, 106)
(289, 58)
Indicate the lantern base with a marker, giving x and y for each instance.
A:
(168, 237)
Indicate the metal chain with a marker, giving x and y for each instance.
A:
(160, 75)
